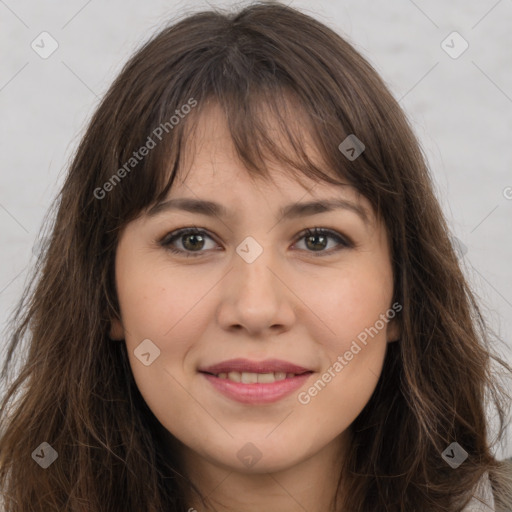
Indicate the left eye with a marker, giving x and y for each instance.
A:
(193, 238)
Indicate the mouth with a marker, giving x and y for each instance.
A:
(254, 382)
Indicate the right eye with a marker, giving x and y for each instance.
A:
(193, 237)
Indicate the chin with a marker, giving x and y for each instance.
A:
(256, 458)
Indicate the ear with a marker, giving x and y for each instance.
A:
(116, 330)
(393, 330)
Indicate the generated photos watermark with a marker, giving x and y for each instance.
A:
(304, 397)
(143, 151)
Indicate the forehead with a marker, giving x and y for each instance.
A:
(210, 166)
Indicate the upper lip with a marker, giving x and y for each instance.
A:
(245, 365)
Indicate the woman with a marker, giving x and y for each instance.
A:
(264, 368)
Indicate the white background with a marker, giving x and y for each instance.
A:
(461, 110)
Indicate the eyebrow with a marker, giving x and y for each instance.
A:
(293, 210)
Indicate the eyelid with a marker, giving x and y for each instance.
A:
(343, 241)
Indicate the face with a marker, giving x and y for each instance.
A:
(243, 336)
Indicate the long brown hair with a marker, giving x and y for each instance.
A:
(75, 390)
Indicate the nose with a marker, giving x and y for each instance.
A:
(256, 297)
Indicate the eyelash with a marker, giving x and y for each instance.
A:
(169, 238)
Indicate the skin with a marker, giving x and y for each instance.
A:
(288, 304)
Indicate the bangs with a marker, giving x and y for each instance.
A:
(271, 127)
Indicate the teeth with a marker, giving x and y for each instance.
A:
(253, 378)
(266, 378)
(249, 378)
(234, 376)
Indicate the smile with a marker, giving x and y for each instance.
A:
(255, 382)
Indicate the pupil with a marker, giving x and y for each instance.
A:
(187, 237)
(312, 237)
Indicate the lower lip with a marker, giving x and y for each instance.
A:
(257, 393)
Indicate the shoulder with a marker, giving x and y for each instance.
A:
(483, 499)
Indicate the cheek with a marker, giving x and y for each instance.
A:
(155, 300)
(351, 303)
(166, 308)
(354, 348)
(158, 305)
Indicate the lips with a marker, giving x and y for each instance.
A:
(256, 382)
